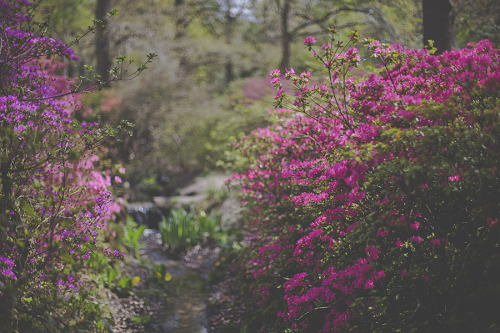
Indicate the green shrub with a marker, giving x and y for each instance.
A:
(182, 228)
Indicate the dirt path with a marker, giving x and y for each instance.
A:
(185, 308)
(180, 304)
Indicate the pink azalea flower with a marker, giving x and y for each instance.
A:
(309, 41)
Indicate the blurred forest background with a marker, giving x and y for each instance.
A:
(209, 84)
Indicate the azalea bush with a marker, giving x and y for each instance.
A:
(54, 196)
(374, 201)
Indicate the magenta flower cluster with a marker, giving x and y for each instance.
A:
(361, 196)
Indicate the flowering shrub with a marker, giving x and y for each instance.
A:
(374, 202)
(54, 199)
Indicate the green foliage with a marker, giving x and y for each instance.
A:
(160, 274)
(65, 18)
(122, 286)
(216, 196)
(142, 320)
(73, 314)
(109, 275)
(182, 228)
(125, 285)
(132, 233)
(475, 20)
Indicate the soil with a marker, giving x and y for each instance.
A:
(227, 304)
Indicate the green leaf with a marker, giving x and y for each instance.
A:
(28, 209)
(73, 155)
(112, 274)
(68, 258)
(135, 281)
(125, 283)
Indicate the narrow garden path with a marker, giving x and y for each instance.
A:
(178, 302)
(185, 310)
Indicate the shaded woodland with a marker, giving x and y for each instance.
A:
(207, 85)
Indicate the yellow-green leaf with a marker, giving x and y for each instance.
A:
(135, 281)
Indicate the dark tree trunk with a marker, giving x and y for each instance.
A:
(181, 24)
(182, 21)
(103, 53)
(229, 25)
(437, 23)
(229, 69)
(285, 36)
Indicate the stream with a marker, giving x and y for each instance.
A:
(186, 307)
(186, 303)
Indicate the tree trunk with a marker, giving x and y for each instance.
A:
(437, 23)
(103, 42)
(181, 23)
(229, 25)
(285, 36)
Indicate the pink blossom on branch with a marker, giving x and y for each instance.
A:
(309, 41)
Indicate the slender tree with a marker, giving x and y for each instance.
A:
(286, 37)
(103, 41)
(229, 20)
(437, 23)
